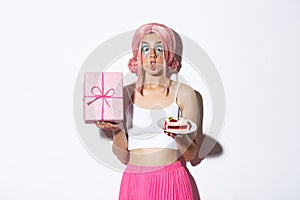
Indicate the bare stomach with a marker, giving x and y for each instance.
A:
(153, 156)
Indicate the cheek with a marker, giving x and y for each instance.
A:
(160, 59)
(144, 59)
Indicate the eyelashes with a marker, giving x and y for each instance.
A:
(146, 49)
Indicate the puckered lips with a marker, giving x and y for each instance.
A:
(152, 64)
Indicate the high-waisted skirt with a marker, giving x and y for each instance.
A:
(170, 182)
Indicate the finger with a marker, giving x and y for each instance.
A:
(107, 125)
(99, 124)
(170, 134)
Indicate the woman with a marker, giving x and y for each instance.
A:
(152, 156)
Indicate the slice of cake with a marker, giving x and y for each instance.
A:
(171, 125)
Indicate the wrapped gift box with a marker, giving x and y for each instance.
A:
(103, 96)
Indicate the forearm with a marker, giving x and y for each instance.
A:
(187, 147)
(120, 146)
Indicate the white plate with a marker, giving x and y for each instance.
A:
(193, 126)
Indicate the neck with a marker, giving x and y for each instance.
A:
(154, 81)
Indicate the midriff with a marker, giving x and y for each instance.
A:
(153, 156)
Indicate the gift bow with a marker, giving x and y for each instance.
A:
(101, 95)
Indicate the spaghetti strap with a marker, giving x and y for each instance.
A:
(179, 113)
(176, 93)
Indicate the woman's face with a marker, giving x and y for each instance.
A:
(152, 54)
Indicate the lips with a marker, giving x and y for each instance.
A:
(152, 62)
(152, 67)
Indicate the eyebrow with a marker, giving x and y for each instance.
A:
(155, 42)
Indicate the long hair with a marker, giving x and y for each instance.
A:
(167, 38)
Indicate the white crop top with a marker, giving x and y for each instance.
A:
(143, 126)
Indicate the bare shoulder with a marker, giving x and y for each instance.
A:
(130, 86)
(186, 94)
(185, 90)
(128, 90)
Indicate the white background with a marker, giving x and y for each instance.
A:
(254, 45)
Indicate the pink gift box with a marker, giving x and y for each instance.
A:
(103, 96)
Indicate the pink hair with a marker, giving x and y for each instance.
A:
(169, 44)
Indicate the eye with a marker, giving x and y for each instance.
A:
(145, 49)
(159, 49)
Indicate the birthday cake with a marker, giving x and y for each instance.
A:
(177, 125)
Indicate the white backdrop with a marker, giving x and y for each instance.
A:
(254, 45)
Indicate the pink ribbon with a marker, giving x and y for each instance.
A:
(102, 95)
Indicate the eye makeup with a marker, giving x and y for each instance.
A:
(146, 48)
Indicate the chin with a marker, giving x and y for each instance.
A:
(157, 72)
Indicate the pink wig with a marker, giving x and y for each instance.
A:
(167, 38)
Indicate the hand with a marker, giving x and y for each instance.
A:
(173, 135)
(109, 126)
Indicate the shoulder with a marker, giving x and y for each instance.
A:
(185, 90)
(128, 90)
(186, 96)
(130, 87)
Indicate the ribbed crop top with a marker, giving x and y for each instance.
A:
(144, 129)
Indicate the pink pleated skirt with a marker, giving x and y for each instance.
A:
(170, 182)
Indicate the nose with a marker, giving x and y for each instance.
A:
(152, 53)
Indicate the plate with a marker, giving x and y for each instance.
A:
(193, 126)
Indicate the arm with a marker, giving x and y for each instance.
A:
(118, 131)
(119, 146)
(187, 144)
